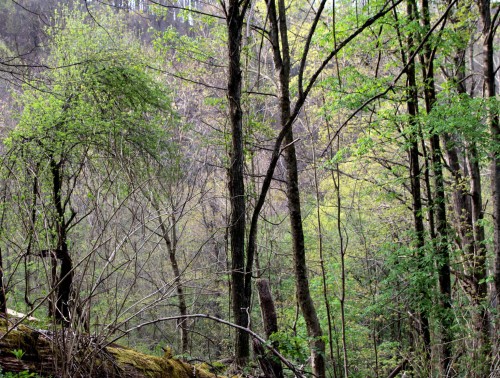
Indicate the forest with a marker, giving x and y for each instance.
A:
(278, 188)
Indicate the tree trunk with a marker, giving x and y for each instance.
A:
(65, 280)
(171, 243)
(3, 299)
(468, 207)
(412, 105)
(89, 358)
(240, 298)
(172, 254)
(270, 321)
(488, 33)
(441, 244)
(300, 266)
(481, 316)
(281, 58)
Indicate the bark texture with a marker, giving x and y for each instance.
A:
(65, 279)
(270, 366)
(281, 57)
(412, 106)
(239, 296)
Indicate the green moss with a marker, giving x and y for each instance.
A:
(115, 360)
(157, 367)
(215, 367)
(149, 365)
(20, 338)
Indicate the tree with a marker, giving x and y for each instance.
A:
(412, 105)
(241, 268)
(281, 55)
(441, 239)
(102, 104)
(394, 261)
(488, 31)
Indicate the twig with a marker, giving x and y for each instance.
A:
(264, 342)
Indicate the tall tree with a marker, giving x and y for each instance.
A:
(240, 271)
(101, 103)
(408, 59)
(282, 61)
(488, 31)
(489, 27)
(439, 200)
(467, 192)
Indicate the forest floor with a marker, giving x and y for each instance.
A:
(71, 354)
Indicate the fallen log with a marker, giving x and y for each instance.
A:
(64, 353)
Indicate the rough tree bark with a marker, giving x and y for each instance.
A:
(270, 366)
(441, 244)
(281, 57)
(235, 14)
(65, 280)
(412, 106)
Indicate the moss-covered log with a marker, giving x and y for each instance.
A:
(65, 353)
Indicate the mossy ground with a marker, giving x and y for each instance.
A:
(152, 366)
(112, 361)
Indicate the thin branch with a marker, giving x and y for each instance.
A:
(341, 45)
(263, 341)
(308, 44)
(391, 87)
(298, 106)
(187, 9)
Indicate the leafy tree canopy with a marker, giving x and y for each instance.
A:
(102, 98)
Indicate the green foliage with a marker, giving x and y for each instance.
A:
(461, 115)
(112, 108)
(294, 347)
(102, 109)
(103, 102)
(18, 353)
(21, 374)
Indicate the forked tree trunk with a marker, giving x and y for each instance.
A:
(281, 56)
(65, 280)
